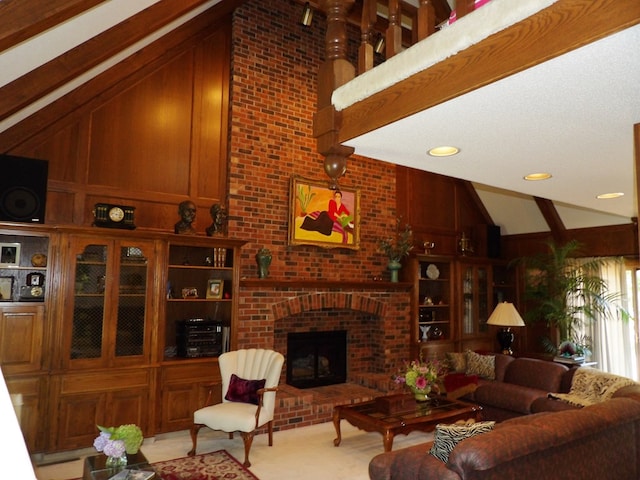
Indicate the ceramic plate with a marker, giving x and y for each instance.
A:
(433, 272)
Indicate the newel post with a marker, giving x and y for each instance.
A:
(335, 71)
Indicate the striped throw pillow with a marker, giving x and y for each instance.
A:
(448, 436)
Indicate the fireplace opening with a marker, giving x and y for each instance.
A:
(316, 359)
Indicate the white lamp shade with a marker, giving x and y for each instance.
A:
(505, 315)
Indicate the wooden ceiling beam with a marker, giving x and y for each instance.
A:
(551, 216)
(24, 19)
(43, 80)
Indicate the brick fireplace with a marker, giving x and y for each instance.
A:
(376, 316)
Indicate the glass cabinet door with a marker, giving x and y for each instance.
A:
(132, 294)
(87, 337)
(110, 302)
(475, 298)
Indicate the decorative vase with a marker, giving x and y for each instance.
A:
(393, 267)
(264, 261)
(421, 395)
(116, 462)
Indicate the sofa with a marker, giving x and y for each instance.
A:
(515, 386)
(599, 441)
(509, 387)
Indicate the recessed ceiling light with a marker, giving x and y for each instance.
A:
(537, 176)
(444, 151)
(604, 196)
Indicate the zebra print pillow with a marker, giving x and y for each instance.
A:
(448, 436)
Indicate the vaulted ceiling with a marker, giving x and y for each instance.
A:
(572, 116)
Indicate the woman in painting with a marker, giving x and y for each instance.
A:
(335, 219)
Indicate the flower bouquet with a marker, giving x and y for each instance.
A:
(117, 442)
(421, 377)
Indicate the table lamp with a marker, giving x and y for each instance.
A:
(505, 315)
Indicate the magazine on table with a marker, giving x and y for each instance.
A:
(127, 474)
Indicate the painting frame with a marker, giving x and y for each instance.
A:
(6, 288)
(215, 288)
(9, 255)
(311, 205)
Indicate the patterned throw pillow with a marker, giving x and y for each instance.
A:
(457, 361)
(482, 365)
(245, 391)
(448, 436)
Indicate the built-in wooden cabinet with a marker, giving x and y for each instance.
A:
(184, 389)
(100, 346)
(453, 299)
(434, 303)
(24, 286)
(108, 314)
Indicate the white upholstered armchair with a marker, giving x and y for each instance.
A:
(249, 383)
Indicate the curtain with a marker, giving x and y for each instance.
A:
(613, 339)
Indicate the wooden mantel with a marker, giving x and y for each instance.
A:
(325, 284)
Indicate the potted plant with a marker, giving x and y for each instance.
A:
(564, 293)
(397, 247)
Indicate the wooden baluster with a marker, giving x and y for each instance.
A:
(336, 69)
(365, 53)
(394, 31)
(426, 24)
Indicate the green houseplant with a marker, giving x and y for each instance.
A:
(397, 247)
(564, 293)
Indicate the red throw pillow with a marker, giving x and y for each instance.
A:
(245, 391)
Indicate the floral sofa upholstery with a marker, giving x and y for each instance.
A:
(599, 441)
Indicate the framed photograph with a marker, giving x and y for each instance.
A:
(9, 255)
(323, 217)
(6, 289)
(214, 288)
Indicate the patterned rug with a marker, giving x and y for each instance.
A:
(218, 465)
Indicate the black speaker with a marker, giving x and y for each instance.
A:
(493, 241)
(23, 189)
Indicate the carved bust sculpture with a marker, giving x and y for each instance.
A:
(187, 212)
(219, 217)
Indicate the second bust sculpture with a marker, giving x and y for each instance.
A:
(219, 217)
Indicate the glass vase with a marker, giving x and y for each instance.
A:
(421, 395)
(116, 462)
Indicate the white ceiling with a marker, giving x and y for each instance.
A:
(572, 116)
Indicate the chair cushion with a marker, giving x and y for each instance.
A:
(245, 391)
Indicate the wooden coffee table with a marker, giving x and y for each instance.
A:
(401, 413)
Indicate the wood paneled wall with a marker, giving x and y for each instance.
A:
(150, 138)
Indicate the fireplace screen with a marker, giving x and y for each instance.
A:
(316, 358)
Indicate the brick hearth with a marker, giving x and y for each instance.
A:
(376, 316)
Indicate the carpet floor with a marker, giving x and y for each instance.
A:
(298, 453)
(210, 466)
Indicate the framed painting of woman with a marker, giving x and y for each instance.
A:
(324, 217)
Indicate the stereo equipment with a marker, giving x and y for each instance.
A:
(198, 337)
(23, 189)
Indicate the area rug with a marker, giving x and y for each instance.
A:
(219, 465)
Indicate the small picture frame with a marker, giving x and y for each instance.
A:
(6, 289)
(214, 288)
(9, 255)
(190, 292)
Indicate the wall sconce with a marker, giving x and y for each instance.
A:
(379, 46)
(307, 15)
